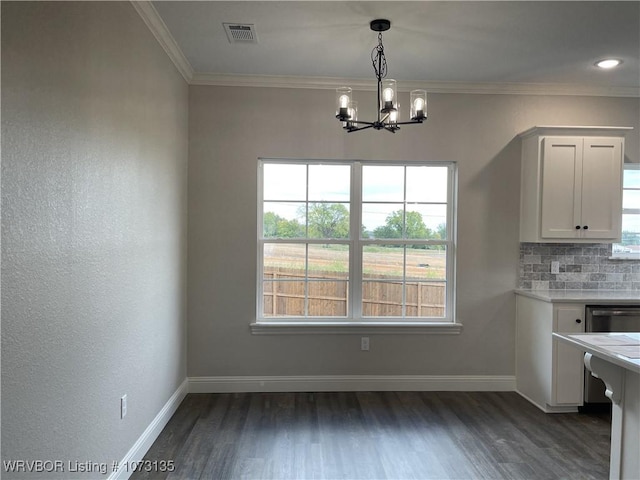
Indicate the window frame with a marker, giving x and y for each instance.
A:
(354, 321)
(627, 211)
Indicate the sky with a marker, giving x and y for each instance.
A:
(384, 190)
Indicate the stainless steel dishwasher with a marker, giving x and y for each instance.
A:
(607, 318)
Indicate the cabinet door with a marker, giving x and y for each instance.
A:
(602, 188)
(561, 187)
(568, 378)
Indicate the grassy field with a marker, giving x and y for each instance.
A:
(377, 260)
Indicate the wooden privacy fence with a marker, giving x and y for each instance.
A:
(327, 295)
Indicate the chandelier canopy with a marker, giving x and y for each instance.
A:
(388, 106)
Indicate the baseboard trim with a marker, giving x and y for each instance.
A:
(547, 408)
(353, 383)
(142, 445)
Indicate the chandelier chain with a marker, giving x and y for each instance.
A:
(378, 59)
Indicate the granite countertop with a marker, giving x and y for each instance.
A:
(603, 297)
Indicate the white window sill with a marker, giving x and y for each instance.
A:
(358, 328)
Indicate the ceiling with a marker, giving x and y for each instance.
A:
(430, 42)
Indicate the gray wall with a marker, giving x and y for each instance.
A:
(229, 128)
(94, 159)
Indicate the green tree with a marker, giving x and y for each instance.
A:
(399, 222)
(327, 220)
(276, 226)
(270, 224)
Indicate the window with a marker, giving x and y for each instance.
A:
(629, 246)
(358, 242)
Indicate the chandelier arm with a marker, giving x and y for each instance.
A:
(408, 122)
(362, 122)
(357, 129)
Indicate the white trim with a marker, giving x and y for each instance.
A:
(353, 383)
(354, 321)
(331, 83)
(137, 452)
(154, 22)
(354, 328)
(547, 408)
(576, 130)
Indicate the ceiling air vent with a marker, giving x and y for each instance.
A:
(241, 32)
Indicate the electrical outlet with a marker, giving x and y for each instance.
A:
(364, 344)
(555, 267)
(123, 406)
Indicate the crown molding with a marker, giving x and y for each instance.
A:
(154, 22)
(576, 130)
(331, 83)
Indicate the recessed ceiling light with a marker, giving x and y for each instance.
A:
(608, 63)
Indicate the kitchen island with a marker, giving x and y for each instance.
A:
(615, 359)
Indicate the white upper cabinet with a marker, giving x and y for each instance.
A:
(571, 184)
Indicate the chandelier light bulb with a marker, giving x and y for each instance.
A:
(343, 97)
(388, 94)
(418, 105)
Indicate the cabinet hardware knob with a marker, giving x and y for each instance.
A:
(577, 227)
(586, 227)
(578, 320)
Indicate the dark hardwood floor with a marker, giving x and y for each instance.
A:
(378, 435)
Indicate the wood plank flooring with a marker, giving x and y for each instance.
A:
(378, 435)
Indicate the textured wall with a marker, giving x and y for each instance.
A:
(94, 151)
(231, 127)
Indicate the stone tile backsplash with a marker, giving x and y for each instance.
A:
(582, 266)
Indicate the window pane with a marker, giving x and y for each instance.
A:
(283, 299)
(427, 184)
(283, 220)
(382, 184)
(631, 177)
(382, 299)
(426, 262)
(383, 262)
(382, 220)
(329, 182)
(426, 222)
(284, 182)
(328, 299)
(630, 234)
(631, 199)
(425, 299)
(329, 261)
(328, 220)
(284, 260)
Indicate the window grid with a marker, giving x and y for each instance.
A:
(624, 249)
(355, 279)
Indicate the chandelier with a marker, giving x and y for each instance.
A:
(388, 106)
